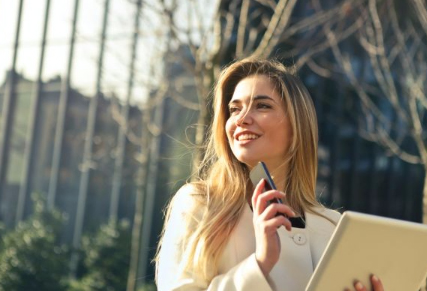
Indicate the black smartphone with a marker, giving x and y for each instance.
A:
(259, 172)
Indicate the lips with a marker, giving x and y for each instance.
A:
(246, 136)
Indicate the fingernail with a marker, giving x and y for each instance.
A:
(358, 286)
(375, 278)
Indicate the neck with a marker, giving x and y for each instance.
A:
(279, 175)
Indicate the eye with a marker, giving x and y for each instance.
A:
(263, 106)
(233, 109)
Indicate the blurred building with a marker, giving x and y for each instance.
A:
(102, 164)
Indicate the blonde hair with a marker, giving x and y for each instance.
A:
(224, 181)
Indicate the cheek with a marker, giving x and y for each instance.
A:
(285, 134)
(229, 129)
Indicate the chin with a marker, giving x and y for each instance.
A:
(248, 162)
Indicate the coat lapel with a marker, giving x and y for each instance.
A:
(301, 250)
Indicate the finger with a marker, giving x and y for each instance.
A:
(270, 226)
(258, 190)
(274, 209)
(377, 285)
(264, 198)
(278, 220)
(359, 286)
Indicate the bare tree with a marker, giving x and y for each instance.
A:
(206, 39)
(393, 97)
(147, 140)
(145, 186)
(242, 28)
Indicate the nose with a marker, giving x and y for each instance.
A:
(245, 117)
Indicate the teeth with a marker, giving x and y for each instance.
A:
(248, 137)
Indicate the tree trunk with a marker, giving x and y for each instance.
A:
(199, 139)
(424, 285)
(139, 204)
(204, 85)
(425, 196)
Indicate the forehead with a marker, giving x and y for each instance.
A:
(255, 85)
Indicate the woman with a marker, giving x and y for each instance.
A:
(221, 232)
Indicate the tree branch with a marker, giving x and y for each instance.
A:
(280, 19)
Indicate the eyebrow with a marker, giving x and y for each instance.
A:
(255, 98)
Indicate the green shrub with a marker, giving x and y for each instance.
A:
(106, 259)
(2, 234)
(147, 287)
(31, 257)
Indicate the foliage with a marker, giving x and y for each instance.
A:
(31, 257)
(2, 234)
(147, 287)
(106, 259)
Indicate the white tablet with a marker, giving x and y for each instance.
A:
(362, 244)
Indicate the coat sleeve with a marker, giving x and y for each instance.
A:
(184, 216)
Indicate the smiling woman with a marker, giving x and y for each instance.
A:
(222, 232)
(258, 128)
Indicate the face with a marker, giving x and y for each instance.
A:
(258, 128)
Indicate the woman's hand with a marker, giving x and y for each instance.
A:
(266, 223)
(376, 285)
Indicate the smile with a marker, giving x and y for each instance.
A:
(244, 137)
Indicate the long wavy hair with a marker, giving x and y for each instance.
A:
(223, 186)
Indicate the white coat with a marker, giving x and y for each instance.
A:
(301, 250)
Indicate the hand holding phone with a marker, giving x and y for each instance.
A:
(259, 172)
(268, 218)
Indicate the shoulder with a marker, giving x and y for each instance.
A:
(185, 195)
(189, 195)
(321, 213)
(183, 215)
(329, 213)
(188, 202)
